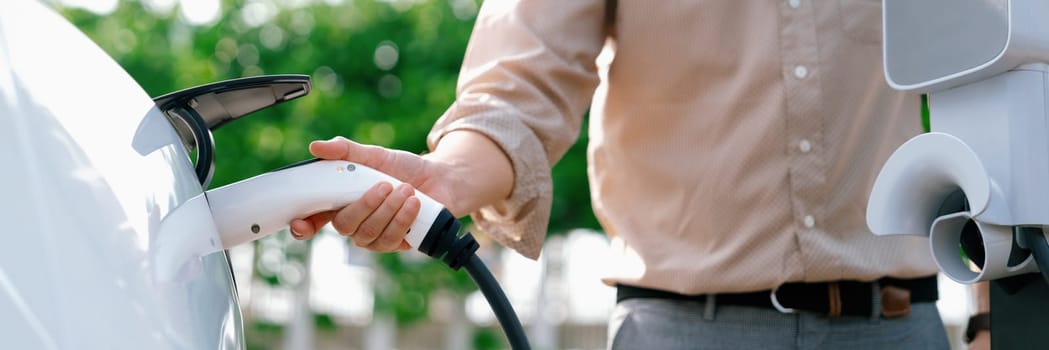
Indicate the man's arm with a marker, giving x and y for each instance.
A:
(981, 339)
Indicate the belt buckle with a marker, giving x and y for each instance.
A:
(834, 301)
(779, 307)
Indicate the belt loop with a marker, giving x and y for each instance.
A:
(875, 300)
(834, 299)
(709, 308)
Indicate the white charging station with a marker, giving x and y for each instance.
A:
(983, 170)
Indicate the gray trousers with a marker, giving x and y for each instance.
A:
(669, 324)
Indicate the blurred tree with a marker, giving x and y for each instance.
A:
(382, 72)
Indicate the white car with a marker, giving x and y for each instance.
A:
(91, 168)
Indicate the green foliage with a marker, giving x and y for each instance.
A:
(324, 322)
(408, 298)
(571, 203)
(925, 113)
(393, 105)
(487, 339)
(261, 335)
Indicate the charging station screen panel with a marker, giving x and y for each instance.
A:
(931, 39)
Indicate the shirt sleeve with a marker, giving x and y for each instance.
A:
(527, 78)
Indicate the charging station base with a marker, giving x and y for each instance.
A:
(1019, 312)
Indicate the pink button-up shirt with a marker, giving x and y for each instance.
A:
(733, 144)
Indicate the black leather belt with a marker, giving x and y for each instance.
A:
(839, 298)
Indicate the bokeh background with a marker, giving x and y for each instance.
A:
(383, 71)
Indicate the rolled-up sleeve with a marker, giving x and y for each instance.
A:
(527, 79)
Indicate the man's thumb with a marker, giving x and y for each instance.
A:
(343, 149)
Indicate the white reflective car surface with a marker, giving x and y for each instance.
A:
(89, 168)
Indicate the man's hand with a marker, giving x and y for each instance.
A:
(464, 173)
(380, 219)
(982, 341)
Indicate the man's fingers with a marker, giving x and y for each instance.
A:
(308, 227)
(373, 228)
(349, 219)
(335, 148)
(320, 219)
(342, 148)
(407, 167)
(393, 235)
(300, 229)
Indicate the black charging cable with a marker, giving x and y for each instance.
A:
(443, 242)
(1035, 241)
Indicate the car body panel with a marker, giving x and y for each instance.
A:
(90, 169)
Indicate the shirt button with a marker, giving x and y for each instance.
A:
(809, 221)
(801, 72)
(794, 3)
(805, 146)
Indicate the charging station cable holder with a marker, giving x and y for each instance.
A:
(983, 65)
